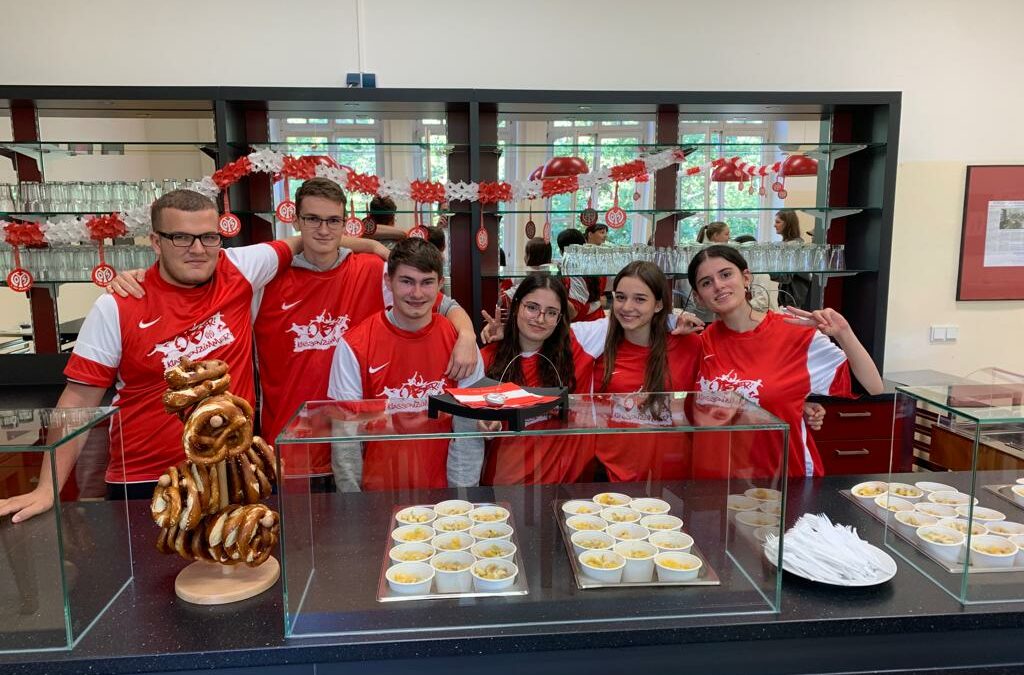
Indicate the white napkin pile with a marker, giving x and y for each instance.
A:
(822, 551)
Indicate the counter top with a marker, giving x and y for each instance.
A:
(907, 622)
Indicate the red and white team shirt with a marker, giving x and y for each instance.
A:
(547, 459)
(776, 365)
(637, 457)
(379, 360)
(578, 294)
(129, 343)
(300, 317)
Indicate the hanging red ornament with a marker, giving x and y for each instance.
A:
(558, 167)
(547, 232)
(589, 215)
(530, 230)
(615, 217)
(285, 211)
(418, 231)
(19, 280)
(481, 235)
(229, 224)
(799, 165)
(103, 273)
(783, 194)
(16, 235)
(369, 226)
(353, 225)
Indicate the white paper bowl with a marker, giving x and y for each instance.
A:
(628, 532)
(453, 507)
(607, 575)
(1018, 493)
(666, 564)
(981, 513)
(586, 541)
(741, 503)
(493, 549)
(397, 552)
(910, 493)
(484, 585)
(907, 522)
(423, 572)
(453, 581)
(988, 550)
(887, 502)
(452, 524)
(757, 519)
(960, 525)
(639, 557)
(947, 552)
(1018, 539)
(410, 516)
(1005, 528)
(452, 541)
(1020, 481)
(937, 510)
(612, 499)
(489, 514)
(580, 507)
(649, 506)
(929, 486)
(676, 542)
(774, 508)
(409, 534)
(950, 498)
(586, 523)
(764, 494)
(620, 514)
(662, 523)
(868, 490)
(491, 531)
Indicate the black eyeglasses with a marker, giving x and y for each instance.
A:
(313, 222)
(182, 240)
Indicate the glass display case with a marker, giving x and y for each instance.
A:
(700, 483)
(53, 583)
(962, 528)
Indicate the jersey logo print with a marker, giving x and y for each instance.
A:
(411, 396)
(748, 389)
(196, 342)
(285, 306)
(323, 332)
(374, 369)
(143, 325)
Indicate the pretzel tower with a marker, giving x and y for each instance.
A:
(208, 506)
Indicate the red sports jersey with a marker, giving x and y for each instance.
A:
(543, 459)
(377, 359)
(130, 342)
(635, 457)
(776, 365)
(300, 317)
(578, 294)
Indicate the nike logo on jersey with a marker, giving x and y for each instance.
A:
(285, 306)
(146, 324)
(377, 368)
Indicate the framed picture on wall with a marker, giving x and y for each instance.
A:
(992, 240)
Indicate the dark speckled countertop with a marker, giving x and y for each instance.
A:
(148, 629)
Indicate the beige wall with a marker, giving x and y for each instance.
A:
(958, 65)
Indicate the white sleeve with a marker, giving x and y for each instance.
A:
(257, 301)
(466, 455)
(591, 335)
(257, 263)
(346, 384)
(578, 290)
(99, 339)
(476, 375)
(389, 300)
(823, 359)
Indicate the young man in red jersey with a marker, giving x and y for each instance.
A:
(400, 355)
(199, 306)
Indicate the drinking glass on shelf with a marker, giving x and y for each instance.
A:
(78, 196)
(6, 197)
(148, 192)
(31, 196)
(837, 257)
(171, 184)
(100, 197)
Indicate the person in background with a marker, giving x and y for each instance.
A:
(382, 213)
(435, 235)
(713, 233)
(584, 292)
(794, 289)
(400, 356)
(596, 234)
(199, 307)
(772, 359)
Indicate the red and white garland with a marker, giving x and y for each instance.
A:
(67, 230)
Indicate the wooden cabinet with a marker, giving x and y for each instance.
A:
(856, 437)
(953, 451)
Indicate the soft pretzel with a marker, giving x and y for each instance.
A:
(165, 508)
(236, 493)
(250, 483)
(214, 533)
(189, 373)
(192, 511)
(265, 452)
(165, 541)
(216, 429)
(178, 400)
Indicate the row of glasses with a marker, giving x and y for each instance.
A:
(768, 257)
(84, 196)
(75, 263)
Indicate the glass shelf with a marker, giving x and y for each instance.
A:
(59, 149)
(815, 211)
(805, 148)
(979, 403)
(518, 273)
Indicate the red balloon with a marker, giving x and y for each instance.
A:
(536, 173)
(799, 165)
(564, 166)
(726, 173)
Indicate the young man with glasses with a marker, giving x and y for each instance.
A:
(400, 355)
(303, 313)
(198, 306)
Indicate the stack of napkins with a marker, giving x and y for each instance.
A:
(819, 550)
